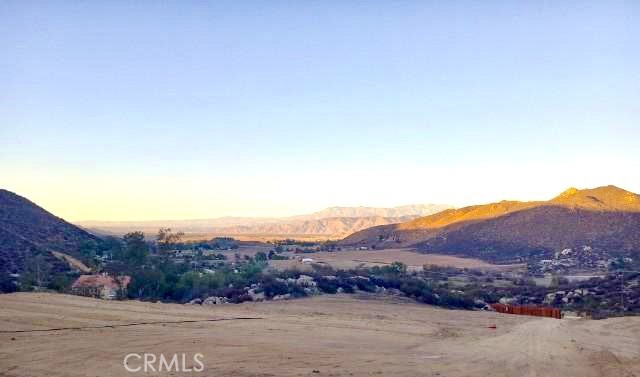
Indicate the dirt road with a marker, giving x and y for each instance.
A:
(322, 336)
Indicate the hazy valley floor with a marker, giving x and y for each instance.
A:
(321, 336)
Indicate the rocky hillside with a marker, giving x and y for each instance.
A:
(607, 218)
(413, 231)
(27, 230)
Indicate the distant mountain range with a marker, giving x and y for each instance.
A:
(602, 219)
(27, 230)
(607, 218)
(331, 227)
(333, 222)
(401, 211)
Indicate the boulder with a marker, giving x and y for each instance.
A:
(507, 300)
(381, 290)
(311, 291)
(255, 296)
(550, 298)
(305, 281)
(394, 292)
(215, 300)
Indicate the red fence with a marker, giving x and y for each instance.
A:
(539, 311)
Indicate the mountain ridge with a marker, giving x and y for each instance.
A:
(520, 225)
(332, 222)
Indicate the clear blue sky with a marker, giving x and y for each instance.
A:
(183, 109)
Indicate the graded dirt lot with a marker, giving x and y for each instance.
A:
(368, 258)
(322, 336)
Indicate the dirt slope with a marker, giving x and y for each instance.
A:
(332, 335)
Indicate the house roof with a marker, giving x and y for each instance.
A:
(101, 281)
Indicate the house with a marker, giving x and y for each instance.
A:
(101, 286)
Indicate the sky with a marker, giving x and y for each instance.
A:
(141, 110)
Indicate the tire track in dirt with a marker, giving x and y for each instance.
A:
(128, 325)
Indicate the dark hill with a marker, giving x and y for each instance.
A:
(27, 230)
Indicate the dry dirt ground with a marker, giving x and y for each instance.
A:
(369, 258)
(335, 335)
(73, 262)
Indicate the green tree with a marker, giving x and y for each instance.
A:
(36, 273)
(113, 248)
(60, 282)
(167, 240)
(89, 251)
(148, 283)
(6, 283)
(136, 248)
(118, 268)
(193, 284)
(398, 268)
